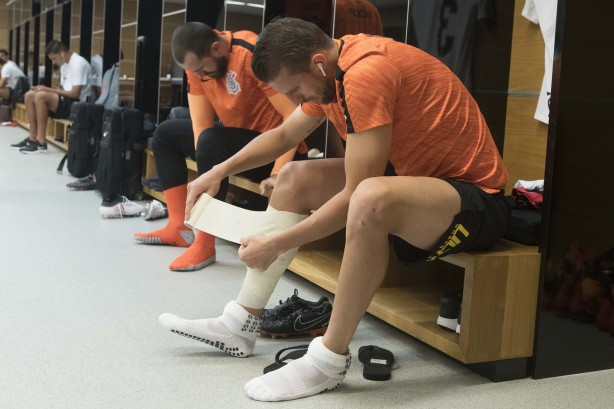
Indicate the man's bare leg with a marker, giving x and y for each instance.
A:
(5, 93)
(44, 102)
(417, 209)
(304, 186)
(31, 112)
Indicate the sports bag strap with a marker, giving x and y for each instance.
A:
(60, 168)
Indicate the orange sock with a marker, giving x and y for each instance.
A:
(200, 254)
(175, 233)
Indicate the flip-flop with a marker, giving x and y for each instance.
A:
(377, 362)
(296, 352)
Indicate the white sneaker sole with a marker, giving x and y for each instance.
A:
(110, 214)
(449, 323)
(36, 152)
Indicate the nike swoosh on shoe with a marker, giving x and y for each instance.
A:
(300, 326)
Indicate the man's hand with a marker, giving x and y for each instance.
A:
(267, 185)
(258, 252)
(41, 88)
(206, 183)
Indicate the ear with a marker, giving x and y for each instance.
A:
(216, 48)
(317, 60)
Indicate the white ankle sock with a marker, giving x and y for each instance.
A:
(318, 371)
(234, 332)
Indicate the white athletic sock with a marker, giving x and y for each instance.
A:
(234, 332)
(318, 371)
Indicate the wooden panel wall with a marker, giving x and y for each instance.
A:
(524, 151)
(4, 25)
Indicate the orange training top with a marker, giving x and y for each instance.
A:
(437, 127)
(239, 99)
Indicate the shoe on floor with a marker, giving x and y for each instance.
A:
(154, 210)
(122, 207)
(85, 183)
(34, 148)
(297, 316)
(17, 146)
(449, 309)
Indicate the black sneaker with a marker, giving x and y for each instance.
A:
(449, 309)
(291, 304)
(460, 313)
(34, 148)
(296, 316)
(22, 144)
(85, 183)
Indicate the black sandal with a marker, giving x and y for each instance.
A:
(378, 362)
(296, 352)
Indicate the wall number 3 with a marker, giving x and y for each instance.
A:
(445, 42)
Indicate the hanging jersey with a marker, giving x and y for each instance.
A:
(318, 12)
(543, 12)
(355, 17)
(438, 129)
(446, 30)
(239, 99)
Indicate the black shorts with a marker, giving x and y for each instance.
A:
(63, 110)
(481, 223)
(11, 92)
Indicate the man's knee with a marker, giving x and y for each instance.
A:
(163, 135)
(42, 97)
(293, 179)
(210, 145)
(368, 205)
(29, 96)
(209, 139)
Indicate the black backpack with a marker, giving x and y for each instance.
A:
(120, 157)
(85, 133)
(21, 87)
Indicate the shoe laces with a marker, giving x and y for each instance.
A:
(290, 307)
(123, 205)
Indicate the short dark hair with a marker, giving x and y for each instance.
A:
(55, 47)
(192, 37)
(287, 43)
(4, 51)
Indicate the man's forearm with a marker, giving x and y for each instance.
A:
(68, 94)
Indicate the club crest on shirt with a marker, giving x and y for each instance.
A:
(232, 85)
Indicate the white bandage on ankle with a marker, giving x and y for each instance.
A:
(233, 223)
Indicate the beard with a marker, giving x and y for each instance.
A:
(222, 67)
(329, 91)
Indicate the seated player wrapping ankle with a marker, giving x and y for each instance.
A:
(220, 82)
(445, 196)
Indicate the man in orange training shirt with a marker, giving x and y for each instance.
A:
(221, 81)
(393, 104)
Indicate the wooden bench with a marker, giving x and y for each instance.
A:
(58, 130)
(21, 116)
(500, 290)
